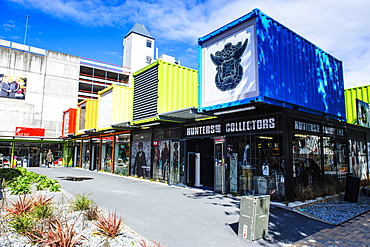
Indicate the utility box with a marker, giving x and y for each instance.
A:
(254, 216)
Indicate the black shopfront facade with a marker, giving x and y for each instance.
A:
(265, 151)
(268, 150)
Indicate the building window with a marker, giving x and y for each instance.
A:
(148, 43)
(148, 59)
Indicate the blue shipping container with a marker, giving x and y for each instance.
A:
(279, 67)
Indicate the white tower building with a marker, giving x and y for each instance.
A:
(138, 48)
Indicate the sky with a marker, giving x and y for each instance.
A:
(95, 29)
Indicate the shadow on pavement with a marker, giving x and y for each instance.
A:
(284, 226)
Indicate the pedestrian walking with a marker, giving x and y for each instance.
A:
(49, 158)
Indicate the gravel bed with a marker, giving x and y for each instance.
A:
(336, 211)
(126, 236)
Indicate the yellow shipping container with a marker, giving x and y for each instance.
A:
(87, 111)
(115, 106)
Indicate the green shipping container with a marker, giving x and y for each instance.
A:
(351, 96)
(163, 87)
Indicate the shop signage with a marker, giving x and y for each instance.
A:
(203, 130)
(260, 124)
(242, 126)
(333, 131)
(298, 125)
(24, 131)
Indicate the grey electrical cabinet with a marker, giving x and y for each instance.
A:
(254, 216)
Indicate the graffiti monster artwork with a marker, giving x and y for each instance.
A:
(229, 70)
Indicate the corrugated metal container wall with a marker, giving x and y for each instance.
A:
(362, 93)
(177, 87)
(145, 98)
(69, 122)
(115, 106)
(122, 105)
(293, 70)
(90, 114)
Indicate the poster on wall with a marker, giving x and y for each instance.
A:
(229, 69)
(13, 87)
(161, 160)
(175, 169)
(140, 159)
(363, 113)
(357, 159)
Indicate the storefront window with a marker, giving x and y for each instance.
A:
(256, 165)
(307, 158)
(27, 154)
(330, 166)
(340, 157)
(86, 152)
(95, 147)
(358, 160)
(122, 154)
(106, 153)
(5, 153)
(56, 150)
(76, 154)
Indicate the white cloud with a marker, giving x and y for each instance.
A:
(339, 27)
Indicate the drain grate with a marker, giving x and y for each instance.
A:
(73, 178)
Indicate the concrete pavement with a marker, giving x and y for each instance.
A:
(176, 216)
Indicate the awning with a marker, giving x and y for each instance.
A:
(184, 115)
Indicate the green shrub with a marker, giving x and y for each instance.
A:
(42, 211)
(9, 174)
(19, 181)
(55, 187)
(81, 203)
(20, 186)
(22, 223)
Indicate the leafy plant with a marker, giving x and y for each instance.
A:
(42, 211)
(21, 206)
(81, 203)
(92, 212)
(20, 186)
(42, 207)
(9, 174)
(22, 223)
(109, 225)
(57, 233)
(55, 187)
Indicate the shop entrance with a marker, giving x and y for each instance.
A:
(202, 151)
(220, 167)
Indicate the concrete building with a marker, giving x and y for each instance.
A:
(38, 85)
(138, 48)
(49, 84)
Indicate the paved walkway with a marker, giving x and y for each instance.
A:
(176, 217)
(355, 232)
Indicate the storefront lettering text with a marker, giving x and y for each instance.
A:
(259, 124)
(203, 130)
(307, 126)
